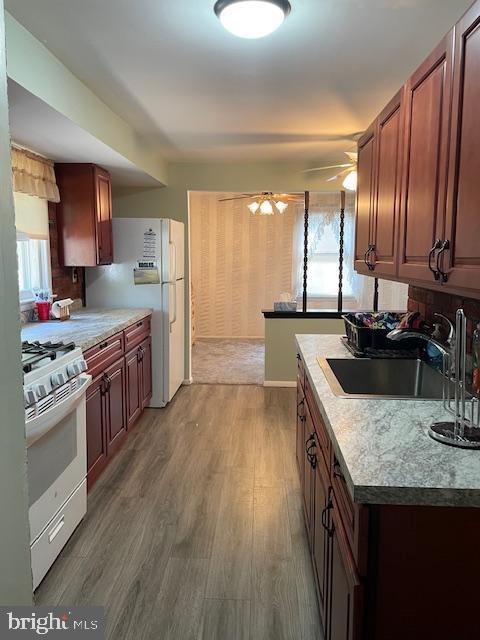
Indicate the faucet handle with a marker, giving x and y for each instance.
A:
(451, 329)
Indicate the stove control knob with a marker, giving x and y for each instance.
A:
(72, 370)
(82, 365)
(29, 397)
(58, 379)
(41, 390)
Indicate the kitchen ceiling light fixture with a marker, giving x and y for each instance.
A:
(252, 18)
(350, 182)
(267, 205)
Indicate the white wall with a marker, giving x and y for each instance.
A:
(15, 573)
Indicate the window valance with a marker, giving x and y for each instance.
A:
(34, 175)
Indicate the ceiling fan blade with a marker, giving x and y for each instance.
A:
(237, 198)
(333, 178)
(332, 166)
(353, 155)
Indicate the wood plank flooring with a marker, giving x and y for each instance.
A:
(195, 531)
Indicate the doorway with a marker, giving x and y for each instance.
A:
(240, 264)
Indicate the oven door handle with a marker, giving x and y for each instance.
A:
(42, 424)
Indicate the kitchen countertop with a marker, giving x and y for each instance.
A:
(86, 327)
(383, 445)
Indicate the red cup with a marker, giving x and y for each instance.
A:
(43, 310)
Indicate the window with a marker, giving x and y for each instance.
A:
(325, 233)
(33, 267)
(33, 245)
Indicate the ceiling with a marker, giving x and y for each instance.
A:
(170, 69)
(35, 125)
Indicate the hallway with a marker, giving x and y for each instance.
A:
(195, 531)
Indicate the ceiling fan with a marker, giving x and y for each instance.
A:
(267, 203)
(350, 169)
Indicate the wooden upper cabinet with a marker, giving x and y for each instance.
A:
(85, 215)
(386, 200)
(426, 142)
(365, 187)
(462, 259)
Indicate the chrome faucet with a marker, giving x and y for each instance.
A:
(447, 349)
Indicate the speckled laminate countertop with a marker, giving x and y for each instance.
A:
(383, 445)
(86, 327)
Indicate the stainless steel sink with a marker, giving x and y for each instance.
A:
(395, 379)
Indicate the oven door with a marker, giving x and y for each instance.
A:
(56, 457)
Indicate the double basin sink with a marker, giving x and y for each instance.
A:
(387, 379)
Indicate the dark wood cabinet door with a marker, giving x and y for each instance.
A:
(345, 598)
(426, 141)
(133, 386)
(320, 538)
(103, 217)
(300, 443)
(115, 399)
(386, 205)
(96, 429)
(365, 186)
(310, 449)
(146, 371)
(462, 260)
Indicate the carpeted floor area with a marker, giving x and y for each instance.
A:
(227, 361)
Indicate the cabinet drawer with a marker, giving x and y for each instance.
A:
(354, 517)
(321, 430)
(104, 354)
(137, 332)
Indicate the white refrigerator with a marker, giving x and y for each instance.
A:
(148, 271)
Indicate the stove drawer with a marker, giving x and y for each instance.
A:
(53, 538)
(99, 357)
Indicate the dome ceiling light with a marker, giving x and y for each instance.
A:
(252, 18)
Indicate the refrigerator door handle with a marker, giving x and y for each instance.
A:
(172, 322)
(173, 277)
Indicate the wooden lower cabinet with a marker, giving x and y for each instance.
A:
(321, 538)
(134, 402)
(345, 597)
(96, 429)
(115, 405)
(117, 396)
(146, 372)
(384, 572)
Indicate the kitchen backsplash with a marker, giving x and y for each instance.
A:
(62, 276)
(429, 302)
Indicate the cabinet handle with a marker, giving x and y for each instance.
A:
(325, 511)
(312, 458)
(442, 274)
(139, 324)
(365, 257)
(371, 265)
(300, 404)
(431, 253)
(103, 345)
(336, 471)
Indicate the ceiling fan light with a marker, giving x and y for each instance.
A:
(350, 182)
(281, 206)
(254, 207)
(266, 208)
(252, 18)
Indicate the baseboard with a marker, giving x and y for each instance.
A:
(279, 383)
(187, 381)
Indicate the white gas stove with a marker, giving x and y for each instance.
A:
(55, 383)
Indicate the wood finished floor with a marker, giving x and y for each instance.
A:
(195, 531)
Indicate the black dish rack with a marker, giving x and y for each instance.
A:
(364, 339)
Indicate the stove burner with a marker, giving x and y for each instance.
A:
(34, 352)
